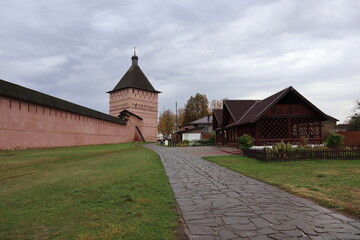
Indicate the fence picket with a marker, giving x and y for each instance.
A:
(308, 154)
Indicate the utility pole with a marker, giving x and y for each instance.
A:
(176, 122)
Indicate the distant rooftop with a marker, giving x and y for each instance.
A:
(203, 120)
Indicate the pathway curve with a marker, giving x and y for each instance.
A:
(218, 203)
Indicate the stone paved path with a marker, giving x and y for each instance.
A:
(218, 203)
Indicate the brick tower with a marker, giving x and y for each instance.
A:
(135, 94)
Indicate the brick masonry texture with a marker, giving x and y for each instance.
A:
(28, 125)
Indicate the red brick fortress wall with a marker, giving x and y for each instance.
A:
(28, 125)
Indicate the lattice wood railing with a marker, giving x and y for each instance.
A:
(289, 129)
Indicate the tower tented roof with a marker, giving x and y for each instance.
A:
(134, 78)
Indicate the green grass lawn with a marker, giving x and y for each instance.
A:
(92, 192)
(333, 183)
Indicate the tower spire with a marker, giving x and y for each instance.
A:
(134, 58)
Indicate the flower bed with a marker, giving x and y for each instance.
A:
(286, 152)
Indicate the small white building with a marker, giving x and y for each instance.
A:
(196, 130)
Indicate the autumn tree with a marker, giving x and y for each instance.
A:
(196, 107)
(217, 104)
(167, 123)
(354, 121)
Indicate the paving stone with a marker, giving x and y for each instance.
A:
(293, 233)
(260, 222)
(267, 231)
(355, 224)
(328, 236)
(347, 236)
(341, 217)
(207, 222)
(243, 227)
(235, 220)
(200, 230)
(312, 213)
(226, 234)
(283, 227)
(319, 230)
(282, 217)
(270, 219)
(192, 216)
(317, 238)
(261, 238)
(341, 228)
(321, 209)
(302, 224)
(325, 222)
(205, 238)
(217, 203)
(310, 231)
(278, 236)
(247, 234)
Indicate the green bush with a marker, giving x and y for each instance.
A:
(184, 143)
(334, 140)
(245, 142)
(211, 139)
(206, 142)
(282, 147)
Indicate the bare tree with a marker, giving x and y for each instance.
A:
(217, 104)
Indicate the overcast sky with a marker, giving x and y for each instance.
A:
(78, 50)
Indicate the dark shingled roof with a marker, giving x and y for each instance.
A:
(259, 108)
(203, 120)
(218, 116)
(218, 113)
(18, 92)
(238, 108)
(134, 78)
(249, 111)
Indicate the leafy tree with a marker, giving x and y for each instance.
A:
(334, 140)
(354, 121)
(196, 107)
(167, 123)
(217, 104)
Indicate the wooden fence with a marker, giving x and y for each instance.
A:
(303, 154)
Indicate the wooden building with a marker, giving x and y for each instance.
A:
(285, 116)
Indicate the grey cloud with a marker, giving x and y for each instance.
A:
(78, 50)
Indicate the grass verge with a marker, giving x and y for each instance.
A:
(331, 183)
(91, 192)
